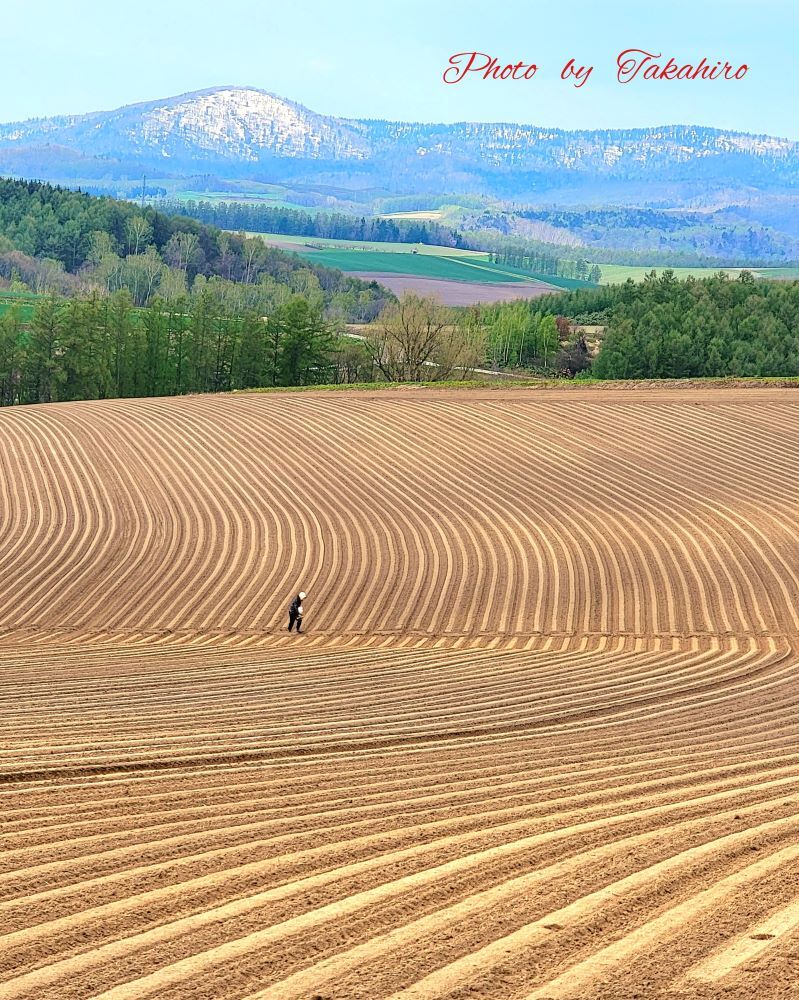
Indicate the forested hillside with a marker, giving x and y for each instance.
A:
(53, 239)
(677, 329)
(665, 328)
(722, 236)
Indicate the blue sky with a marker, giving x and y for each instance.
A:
(382, 58)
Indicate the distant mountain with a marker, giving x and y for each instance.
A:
(236, 132)
(238, 124)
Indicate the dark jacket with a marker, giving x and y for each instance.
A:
(296, 604)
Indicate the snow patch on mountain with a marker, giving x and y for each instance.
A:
(239, 123)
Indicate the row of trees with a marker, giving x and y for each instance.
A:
(547, 263)
(102, 347)
(658, 328)
(328, 225)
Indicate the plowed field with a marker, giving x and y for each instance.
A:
(540, 739)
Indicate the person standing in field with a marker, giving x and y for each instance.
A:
(295, 612)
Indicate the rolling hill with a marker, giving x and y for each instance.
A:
(539, 740)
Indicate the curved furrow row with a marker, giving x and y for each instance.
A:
(541, 738)
(377, 533)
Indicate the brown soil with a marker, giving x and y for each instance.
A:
(540, 740)
(457, 293)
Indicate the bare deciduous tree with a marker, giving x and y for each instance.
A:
(182, 250)
(153, 268)
(254, 259)
(461, 348)
(227, 258)
(418, 339)
(138, 232)
(404, 337)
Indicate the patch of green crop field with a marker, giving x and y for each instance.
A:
(613, 274)
(24, 301)
(422, 265)
(311, 242)
(778, 273)
(9, 293)
(369, 255)
(25, 309)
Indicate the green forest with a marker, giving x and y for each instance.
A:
(714, 237)
(103, 346)
(660, 327)
(56, 240)
(664, 328)
(327, 225)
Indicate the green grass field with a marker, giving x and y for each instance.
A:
(447, 263)
(25, 301)
(308, 242)
(449, 268)
(613, 274)
(778, 273)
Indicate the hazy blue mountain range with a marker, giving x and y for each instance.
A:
(235, 132)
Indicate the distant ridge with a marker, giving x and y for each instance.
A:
(236, 131)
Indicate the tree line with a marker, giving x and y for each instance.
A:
(660, 327)
(323, 225)
(213, 339)
(547, 263)
(104, 346)
(101, 347)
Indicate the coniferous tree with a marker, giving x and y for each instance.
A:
(44, 357)
(11, 354)
(305, 344)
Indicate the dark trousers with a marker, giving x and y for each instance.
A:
(294, 617)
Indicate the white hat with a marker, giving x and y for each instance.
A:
(302, 596)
